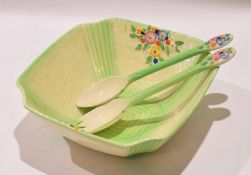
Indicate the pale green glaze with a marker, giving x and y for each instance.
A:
(52, 84)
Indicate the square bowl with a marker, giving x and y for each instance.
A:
(88, 52)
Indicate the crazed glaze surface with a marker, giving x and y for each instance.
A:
(89, 52)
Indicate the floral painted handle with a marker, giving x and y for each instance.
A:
(213, 44)
(212, 61)
(219, 57)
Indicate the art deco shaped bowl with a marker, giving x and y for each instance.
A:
(52, 84)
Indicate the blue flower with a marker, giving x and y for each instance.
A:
(224, 54)
(155, 60)
(220, 41)
(162, 35)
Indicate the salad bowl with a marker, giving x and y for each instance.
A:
(89, 52)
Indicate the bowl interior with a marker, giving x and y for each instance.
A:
(89, 52)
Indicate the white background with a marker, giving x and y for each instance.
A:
(217, 138)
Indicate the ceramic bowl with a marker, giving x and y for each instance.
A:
(52, 84)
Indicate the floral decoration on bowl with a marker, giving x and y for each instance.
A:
(156, 41)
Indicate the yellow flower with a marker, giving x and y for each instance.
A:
(138, 31)
(155, 51)
(153, 28)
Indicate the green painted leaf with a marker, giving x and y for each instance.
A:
(161, 59)
(133, 29)
(204, 63)
(146, 46)
(179, 43)
(201, 47)
(139, 46)
(162, 46)
(132, 35)
(167, 51)
(209, 58)
(139, 36)
(228, 38)
(144, 30)
(149, 59)
(149, 27)
(177, 49)
(230, 51)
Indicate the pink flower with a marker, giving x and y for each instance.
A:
(150, 37)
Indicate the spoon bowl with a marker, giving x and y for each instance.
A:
(102, 91)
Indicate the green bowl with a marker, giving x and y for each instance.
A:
(52, 84)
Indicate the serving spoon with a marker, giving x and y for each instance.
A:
(108, 88)
(109, 113)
